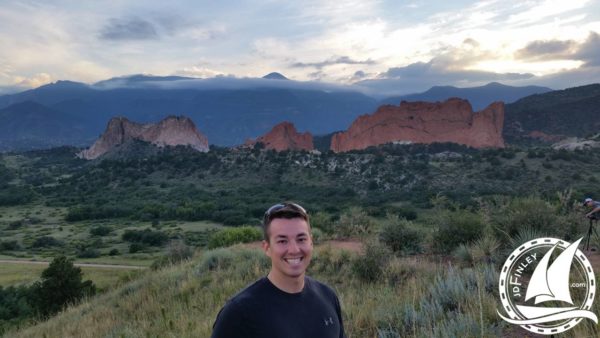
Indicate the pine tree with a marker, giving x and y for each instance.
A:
(61, 285)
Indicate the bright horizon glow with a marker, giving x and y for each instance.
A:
(396, 45)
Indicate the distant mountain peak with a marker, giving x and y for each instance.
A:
(275, 76)
(495, 84)
(64, 84)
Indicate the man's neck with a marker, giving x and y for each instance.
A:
(287, 284)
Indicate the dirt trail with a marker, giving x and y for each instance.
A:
(83, 265)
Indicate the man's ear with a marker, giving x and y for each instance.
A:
(266, 248)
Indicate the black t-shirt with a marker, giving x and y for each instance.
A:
(263, 311)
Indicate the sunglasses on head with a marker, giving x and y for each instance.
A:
(280, 206)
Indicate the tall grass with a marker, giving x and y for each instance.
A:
(412, 297)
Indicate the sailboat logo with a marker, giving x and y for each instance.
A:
(553, 298)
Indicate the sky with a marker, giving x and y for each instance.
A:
(381, 46)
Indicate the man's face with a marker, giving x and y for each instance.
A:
(588, 203)
(289, 247)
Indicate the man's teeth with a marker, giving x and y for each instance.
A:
(293, 260)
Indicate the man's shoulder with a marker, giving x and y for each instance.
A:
(320, 287)
(250, 292)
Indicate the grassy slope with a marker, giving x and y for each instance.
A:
(417, 297)
(182, 301)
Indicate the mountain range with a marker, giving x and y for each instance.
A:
(479, 97)
(227, 110)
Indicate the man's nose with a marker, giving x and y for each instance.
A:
(294, 247)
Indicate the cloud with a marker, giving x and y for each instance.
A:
(456, 65)
(34, 81)
(128, 29)
(589, 51)
(546, 50)
(199, 71)
(436, 71)
(420, 76)
(333, 61)
(220, 82)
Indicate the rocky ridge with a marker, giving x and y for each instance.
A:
(423, 122)
(284, 136)
(171, 131)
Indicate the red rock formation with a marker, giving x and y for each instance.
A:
(424, 122)
(284, 136)
(172, 131)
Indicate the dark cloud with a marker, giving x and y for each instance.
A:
(358, 76)
(333, 61)
(222, 82)
(440, 71)
(547, 50)
(128, 29)
(589, 51)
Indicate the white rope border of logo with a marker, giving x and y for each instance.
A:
(544, 241)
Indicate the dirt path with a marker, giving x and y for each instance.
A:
(83, 265)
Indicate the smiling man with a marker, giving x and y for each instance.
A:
(285, 303)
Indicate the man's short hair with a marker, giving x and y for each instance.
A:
(286, 210)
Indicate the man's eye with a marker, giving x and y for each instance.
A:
(282, 241)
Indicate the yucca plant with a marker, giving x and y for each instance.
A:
(485, 250)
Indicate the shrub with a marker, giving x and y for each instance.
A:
(113, 252)
(14, 225)
(400, 236)
(370, 266)
(317, 235)
(486, 250)
(354, 222)
(147, 236)
(177, 251)
(529, 212)
(9, 245)
(46, 241)
(136, 247)
(323, 221)
(89, 253)
(101, 230)
(61, 284)
(16, 195)
(230, 236)
(220, 258)
(456, 228)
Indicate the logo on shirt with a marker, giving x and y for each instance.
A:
(328, 321)
(547, 297)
